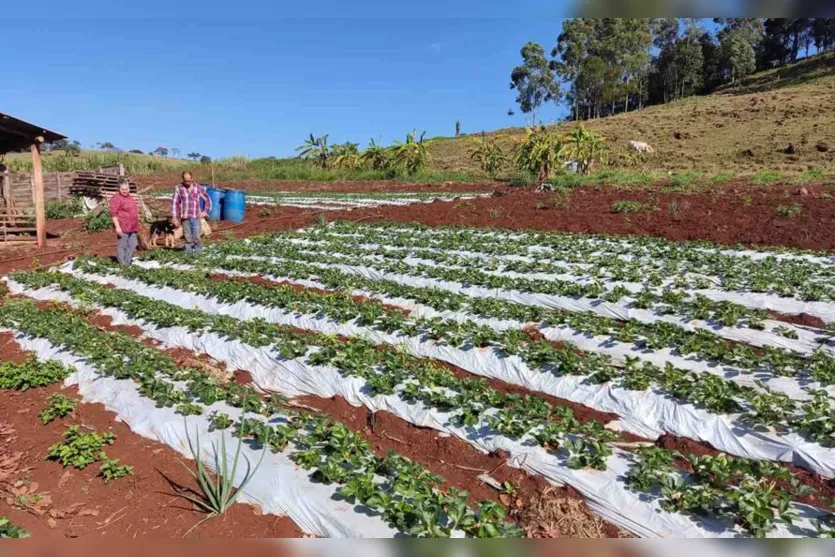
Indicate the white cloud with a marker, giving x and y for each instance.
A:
(436, 47)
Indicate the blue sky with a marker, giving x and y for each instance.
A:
(258, 83)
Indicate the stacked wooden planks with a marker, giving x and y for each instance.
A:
(96, 184)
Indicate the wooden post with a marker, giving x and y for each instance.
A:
(37, 175)
(7, 189)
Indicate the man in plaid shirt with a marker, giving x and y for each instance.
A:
(185, 210)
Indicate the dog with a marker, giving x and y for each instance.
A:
(164, 230)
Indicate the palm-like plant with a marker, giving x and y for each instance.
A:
(540, 152)
(377, 157)
(412, 156)
(316, 149)
(585, 147)
(488, 155)
(346, 155)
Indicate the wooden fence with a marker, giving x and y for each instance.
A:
(17, 197)
(18, 188)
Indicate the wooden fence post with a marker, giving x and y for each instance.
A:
(37, 175)
(7, 189)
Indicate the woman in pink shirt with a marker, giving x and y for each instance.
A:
(125, 215)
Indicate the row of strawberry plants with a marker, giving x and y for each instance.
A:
(643, 336)
(647, 273)
(409, 497)
(803, 278)
(747, 492)
(633, 246)
(386, 371)
(761, 406)
(701, 343)
(667, 301)
(513, 420)
(625, 272)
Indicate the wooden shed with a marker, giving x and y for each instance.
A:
(17, 135)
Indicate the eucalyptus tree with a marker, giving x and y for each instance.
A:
(534, 80)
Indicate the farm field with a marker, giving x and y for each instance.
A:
(640, 385)
(336, 201)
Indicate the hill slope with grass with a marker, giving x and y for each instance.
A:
(779, 120)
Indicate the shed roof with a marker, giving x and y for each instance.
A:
(16, 134)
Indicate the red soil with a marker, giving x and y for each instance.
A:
(144, 504)
(729, 214)
(725, 215)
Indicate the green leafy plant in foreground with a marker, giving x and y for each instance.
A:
(79, 450)
(58, 406)
(219, 494)
(112, 469)
(9, 530)
(31, 373)
(744, 491)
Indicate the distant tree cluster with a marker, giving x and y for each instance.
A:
(613, 65)
(72, 147)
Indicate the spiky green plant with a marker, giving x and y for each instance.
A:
(218, 494)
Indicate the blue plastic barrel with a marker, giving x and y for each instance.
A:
(216, 195)
(234, 205)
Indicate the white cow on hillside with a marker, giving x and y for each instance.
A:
(641, 147)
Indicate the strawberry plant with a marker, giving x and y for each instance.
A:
(79, 450)
(58, 406)
(9, 530)
(31, 373)
(113, 470)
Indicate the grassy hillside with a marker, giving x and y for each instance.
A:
(743, 129)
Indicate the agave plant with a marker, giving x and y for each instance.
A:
(411, 156)
(219, 494)
(540, 152)
(315, 149)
